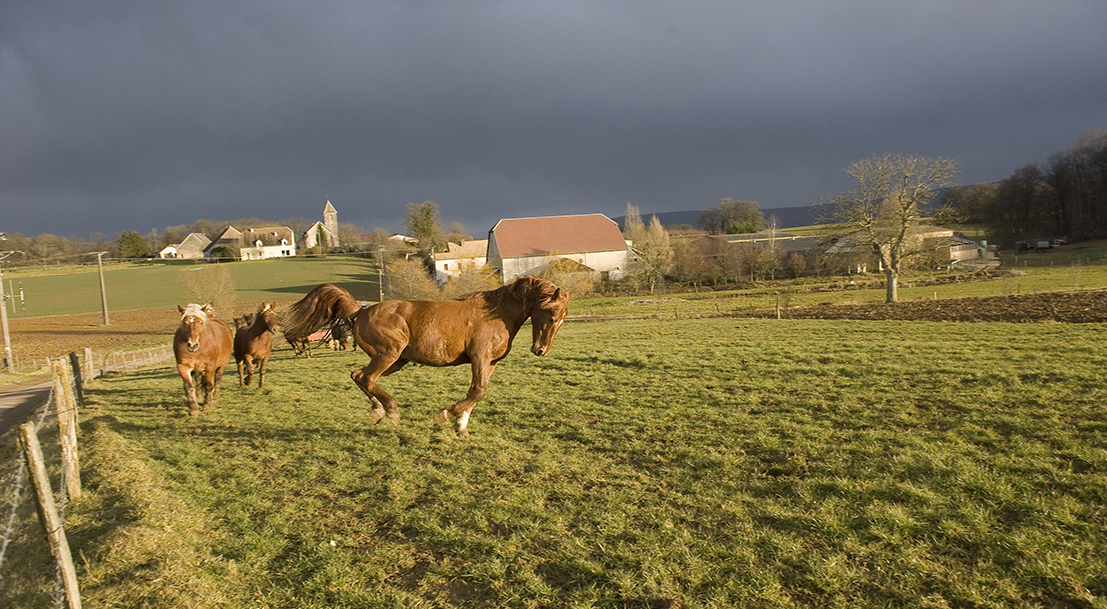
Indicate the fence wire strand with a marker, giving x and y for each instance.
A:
(17, 486)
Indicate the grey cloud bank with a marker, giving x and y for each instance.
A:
(142, 115)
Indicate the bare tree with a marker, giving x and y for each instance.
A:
(409, 280)
(650, 244)
(571, 276)
(881, 212)
(690, 262)
(472, 278)
(210, 284)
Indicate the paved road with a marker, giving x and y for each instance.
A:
(17, 402)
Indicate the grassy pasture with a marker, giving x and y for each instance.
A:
(691, 463)
(158, 284)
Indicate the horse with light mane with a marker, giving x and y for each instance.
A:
(253, 344)
(202, 346)
(475, 329)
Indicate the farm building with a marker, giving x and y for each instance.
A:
(256, 243)
(192, 247)
(940, 245)
(473, 253)
(782, 242)
(528, 246)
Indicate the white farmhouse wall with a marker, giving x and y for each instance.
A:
(600, 262)
(445, 269)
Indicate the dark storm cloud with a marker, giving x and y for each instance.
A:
(137, 115)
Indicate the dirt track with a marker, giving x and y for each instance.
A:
(54, 336)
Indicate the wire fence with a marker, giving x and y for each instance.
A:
(33, 462)
(97, 363)
(55, 421)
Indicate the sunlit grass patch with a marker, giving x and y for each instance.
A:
(709, 462)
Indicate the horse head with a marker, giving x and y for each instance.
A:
(267, 317)
(547, 315)
(193, 319)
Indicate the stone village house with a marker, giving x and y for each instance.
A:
(192, 247)
(458, 257)
(256, 243)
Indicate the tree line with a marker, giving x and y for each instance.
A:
(1064, 198)
(49, 249)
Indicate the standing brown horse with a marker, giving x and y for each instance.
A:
(202, 346)
(476, 329)
(254, 344)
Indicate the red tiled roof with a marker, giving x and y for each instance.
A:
(551, 235)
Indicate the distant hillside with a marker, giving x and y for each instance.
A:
(787, 216)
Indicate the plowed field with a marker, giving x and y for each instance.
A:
(54, 336)
(1063, 307)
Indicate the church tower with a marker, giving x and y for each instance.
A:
(330, 220)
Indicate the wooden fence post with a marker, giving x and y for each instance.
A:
(78, 378)
(90, 365)
(67, 428)
(48, 514)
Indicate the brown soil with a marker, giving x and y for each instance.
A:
(1063, 307)
(55, 336)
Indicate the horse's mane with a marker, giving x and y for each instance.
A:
(534, 289)
(326, 305)
(201, 311)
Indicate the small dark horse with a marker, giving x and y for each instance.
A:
(202, 345)
(253, 344)
(475, 329)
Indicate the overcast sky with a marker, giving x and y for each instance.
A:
(133, 115)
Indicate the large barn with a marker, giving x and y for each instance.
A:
(528, 246)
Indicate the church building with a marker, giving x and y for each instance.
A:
(325, 232)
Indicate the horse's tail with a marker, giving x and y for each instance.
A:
(323, 306)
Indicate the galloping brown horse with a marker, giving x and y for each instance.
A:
(253, 345)
(475, 329)
(202, 346)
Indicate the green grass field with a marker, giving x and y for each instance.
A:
(677, 463)
(159, 285)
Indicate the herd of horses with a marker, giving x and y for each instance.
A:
(475, 329)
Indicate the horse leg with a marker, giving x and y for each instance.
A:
(249, 361)
(366, 380)
(211, 384)
(477, 389)
(189, 389)
(201, 384)
(241, 378)
(262, 364)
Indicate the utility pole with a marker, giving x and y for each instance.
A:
(103, 294)
(9, 362)
(380, 277)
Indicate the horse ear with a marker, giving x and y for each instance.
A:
(180, 308)
(210, 310)
(557, 294)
